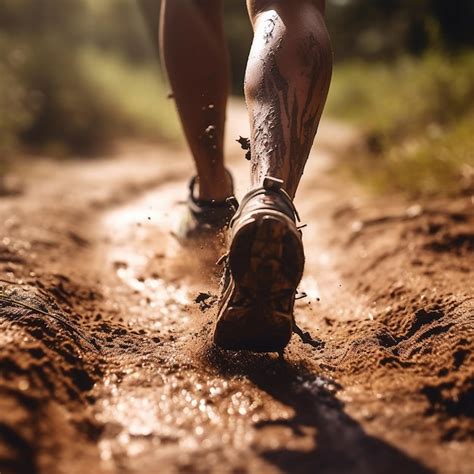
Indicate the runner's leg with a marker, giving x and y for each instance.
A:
(196, 59)
(286, 85)
(287, 81)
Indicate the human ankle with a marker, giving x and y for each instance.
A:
(216, 188)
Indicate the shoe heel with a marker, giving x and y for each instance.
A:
(267, 256)
(266, 262)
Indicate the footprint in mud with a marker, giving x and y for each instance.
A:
(455, 243)
(46, 359)
(39, 312)
(52, 341)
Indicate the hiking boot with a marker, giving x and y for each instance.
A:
(262, 271)
(204, 219)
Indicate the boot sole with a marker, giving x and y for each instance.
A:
(266, 262)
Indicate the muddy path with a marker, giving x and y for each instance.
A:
(106, 359)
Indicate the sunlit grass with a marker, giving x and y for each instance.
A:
(422, 167)
(139, 93)
(418, 118)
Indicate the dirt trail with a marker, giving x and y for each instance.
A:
(106, 360)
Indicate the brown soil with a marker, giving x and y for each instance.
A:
(106, 359)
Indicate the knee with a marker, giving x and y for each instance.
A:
(300, 22)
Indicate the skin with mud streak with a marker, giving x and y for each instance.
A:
(285, 92)
(125, 379)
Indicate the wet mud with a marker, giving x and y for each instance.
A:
(106, 358)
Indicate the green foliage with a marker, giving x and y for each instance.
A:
(75, 74)
(374, 29)
(239, 38)
(55, 95)
(393, 100)
(139, 94)
(124, 28)
(15, 115)
(418, 119)
(56, 109)
(423, 167)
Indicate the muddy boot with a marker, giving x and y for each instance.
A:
(263, 269)
(204, 220)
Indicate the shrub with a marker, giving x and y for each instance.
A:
(417, 116)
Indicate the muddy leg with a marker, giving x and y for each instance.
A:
(193, 51)
(286, 85)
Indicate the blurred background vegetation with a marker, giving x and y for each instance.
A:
(76, 75)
